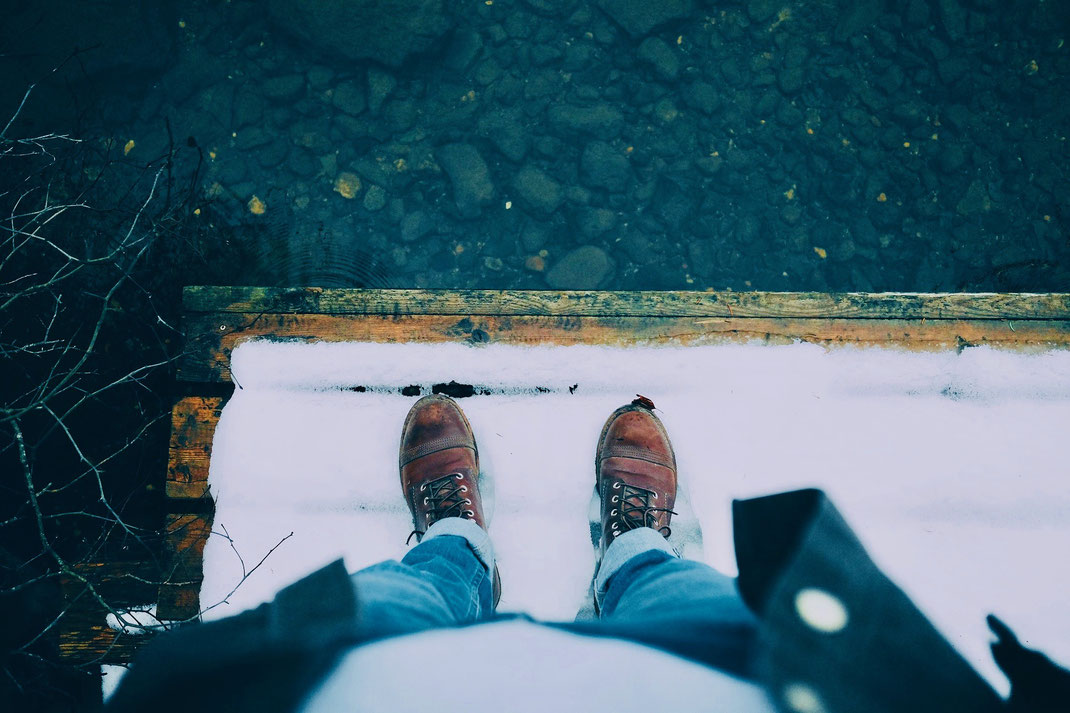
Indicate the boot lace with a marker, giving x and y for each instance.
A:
(634, 508)
(444, 498)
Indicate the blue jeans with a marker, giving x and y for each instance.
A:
(645, 593)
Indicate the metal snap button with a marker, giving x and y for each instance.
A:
(821, 610)
(803, 699)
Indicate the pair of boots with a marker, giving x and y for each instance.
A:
(635, 469)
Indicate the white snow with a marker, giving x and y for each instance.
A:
(135, 621)
(111, 675)
(950, 466)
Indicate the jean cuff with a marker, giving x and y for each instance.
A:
(478, 539)
(622, 549)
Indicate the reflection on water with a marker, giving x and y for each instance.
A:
(746, 144)
(313, 255)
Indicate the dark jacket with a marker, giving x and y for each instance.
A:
(886, 656)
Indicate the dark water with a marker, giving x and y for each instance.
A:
(626, 144)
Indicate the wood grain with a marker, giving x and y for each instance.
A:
(186, 536)
(856, 305)
(213, 337)
(88, 640)
(193, 422)
(84, 636)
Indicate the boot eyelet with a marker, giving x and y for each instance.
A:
(459, 476)
(616, 485)
(423, 487)
(613, 512)
(467, 501)
(613, 499)
(470, 513)
(655, 496)
(425, 501)
(464, 488)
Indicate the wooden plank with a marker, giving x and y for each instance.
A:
(84, 636)
(186, 535)
(94, 642)
(179, 602)
(857, 305)
(119, 583)
(193, 422)
(214, 336)
(179, 595)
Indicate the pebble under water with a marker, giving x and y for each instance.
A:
(619, 144)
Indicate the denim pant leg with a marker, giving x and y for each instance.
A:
(643, 584)
(443, 581)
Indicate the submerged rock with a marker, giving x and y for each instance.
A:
(284, 88)
(952, 157)
(762, 10)
(549, 8)
(416, 225)
(248, 108)
(464, 48)
(504, 130)
(585, 268)
(387, 31)
(976, 200)
(534, 237)
(375, 198)
(538, 190)
(380, 86)
(469, 176)
(604, 167)
(917, 13)
(703, 97)
(639, 17)
(602, 119)
(596, 221)
(790, 79)
(349, 97)
(953, 15)
(655, 52)
(858, 16)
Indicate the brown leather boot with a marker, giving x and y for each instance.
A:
(440, 467)
(635, 471)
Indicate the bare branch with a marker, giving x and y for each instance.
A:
(29, 90)
(245, 575)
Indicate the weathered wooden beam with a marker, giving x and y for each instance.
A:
(91, 641)
(212, 337)
(186, 536)
(120, 583)
(853, 305)
(193, 422)
(84, 636)
(179, 602)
